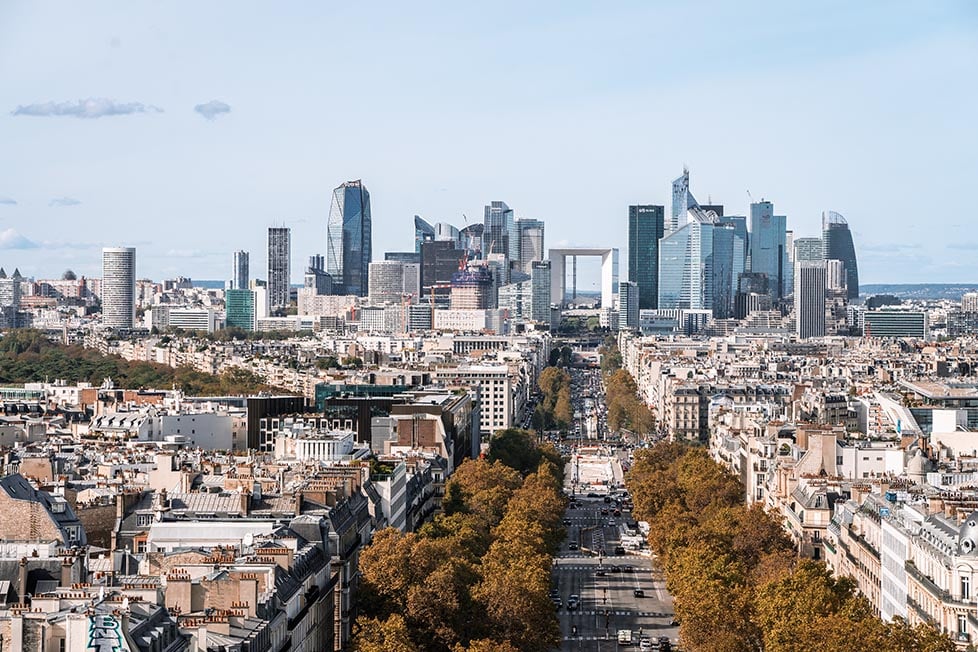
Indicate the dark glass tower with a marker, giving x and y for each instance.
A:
(348, 242)
(837, 243)
(422, 232)
(645, 228)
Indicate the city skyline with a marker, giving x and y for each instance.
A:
(806, 119)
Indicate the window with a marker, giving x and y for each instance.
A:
(965, 587)
(962, 624)
(144, 520)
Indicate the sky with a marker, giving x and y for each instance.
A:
(185, 129)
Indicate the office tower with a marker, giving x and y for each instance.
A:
(726, 244)
(768, 253)
(445, 231)
(412, 279)
(316, 277)
(809, 295)
(540, 291)
(118, 286)
(682, 201)
(471, 237)
(240, 271)
(9, 299)
(969, 302)
(628, 297)
(279, 266)
(686, 267)
(837, 245)
(835, 276)
(531, 243)
(386, 282)
(439, 260)
(646, 224)
(499, 235)
(472, 289)
(348, 239)
(808, 249)
(896, 323)
(423, 232)
(239, 309)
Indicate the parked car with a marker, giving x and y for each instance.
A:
(638, 593)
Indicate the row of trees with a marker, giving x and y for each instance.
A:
(734, 574)
(477, 577)
(625, 408)
(555, 409)
(29, 356)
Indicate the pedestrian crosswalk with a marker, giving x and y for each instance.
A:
(594, 567)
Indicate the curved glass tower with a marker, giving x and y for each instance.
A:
(348, 244)
(837, 245)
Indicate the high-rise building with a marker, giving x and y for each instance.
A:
(807, 249)
(686, 267)
(472, 289)
(316, 276)
(531, 243)
(835, 276)
(404, 256)
(499, 235)
(423, 232)
(118, 287)
(240, 272)
(239, 309)
(628, 297)
(471, 237)
(809, 293)
(726, 244)
(969, 302)
(439, 260)
(540, 290)
(768, 247)
(412, 280)
(348, 239)
(837, 245)
(682, 201)
(386, 281)
(646, 224)
(279, 266)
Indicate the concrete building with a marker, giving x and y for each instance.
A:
(240, 271)
(279, 266)
(809, 298)
(118, 287)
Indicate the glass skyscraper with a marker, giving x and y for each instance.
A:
(686, 268)
(837, 245)
(422, 232)
(348, 239)
(768, 247)
(531, 242)
(646, 224)
(500, 235)
(682, 201)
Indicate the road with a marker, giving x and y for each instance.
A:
(606, 584)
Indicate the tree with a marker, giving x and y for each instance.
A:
(515, 448)
(388, 635)
(563, 412)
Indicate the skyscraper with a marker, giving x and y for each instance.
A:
(422, 232)
(531, 243)
(386, 281)
(628, 297)
(499, 235)
(540, 290)
(682, 201)
(279, 266)
(808, 249)
(809, 294)
(348, 239)
(240, 272)
(686, 267)
(118, 287)
(837, 245)
(316, 277)
(725, 245)
(646, 224)
(768, 242)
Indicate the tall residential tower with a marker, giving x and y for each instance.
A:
(279, 266)
(118, 287)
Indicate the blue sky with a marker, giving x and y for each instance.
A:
(568, 111)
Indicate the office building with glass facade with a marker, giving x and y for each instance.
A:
(239, 309)
(646, 225)
(348, 239)
(837, 245)
(768, 247)
(499, 235)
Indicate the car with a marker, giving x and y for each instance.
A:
(558, 603)
(619, 550)
(625, 568)
(566, 521)
(592, 495)
(573, 602)
(638, 593)
(607, 499)
(645, 644)
(572, 546)
(604, 511)
(601, 572)
(614, 569)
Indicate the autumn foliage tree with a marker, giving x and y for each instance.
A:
(477, 577)
(733, 572)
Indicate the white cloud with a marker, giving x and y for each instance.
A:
(93, 107)
(212, 109)
(63, 201)
(7, 201)
(12, 239)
